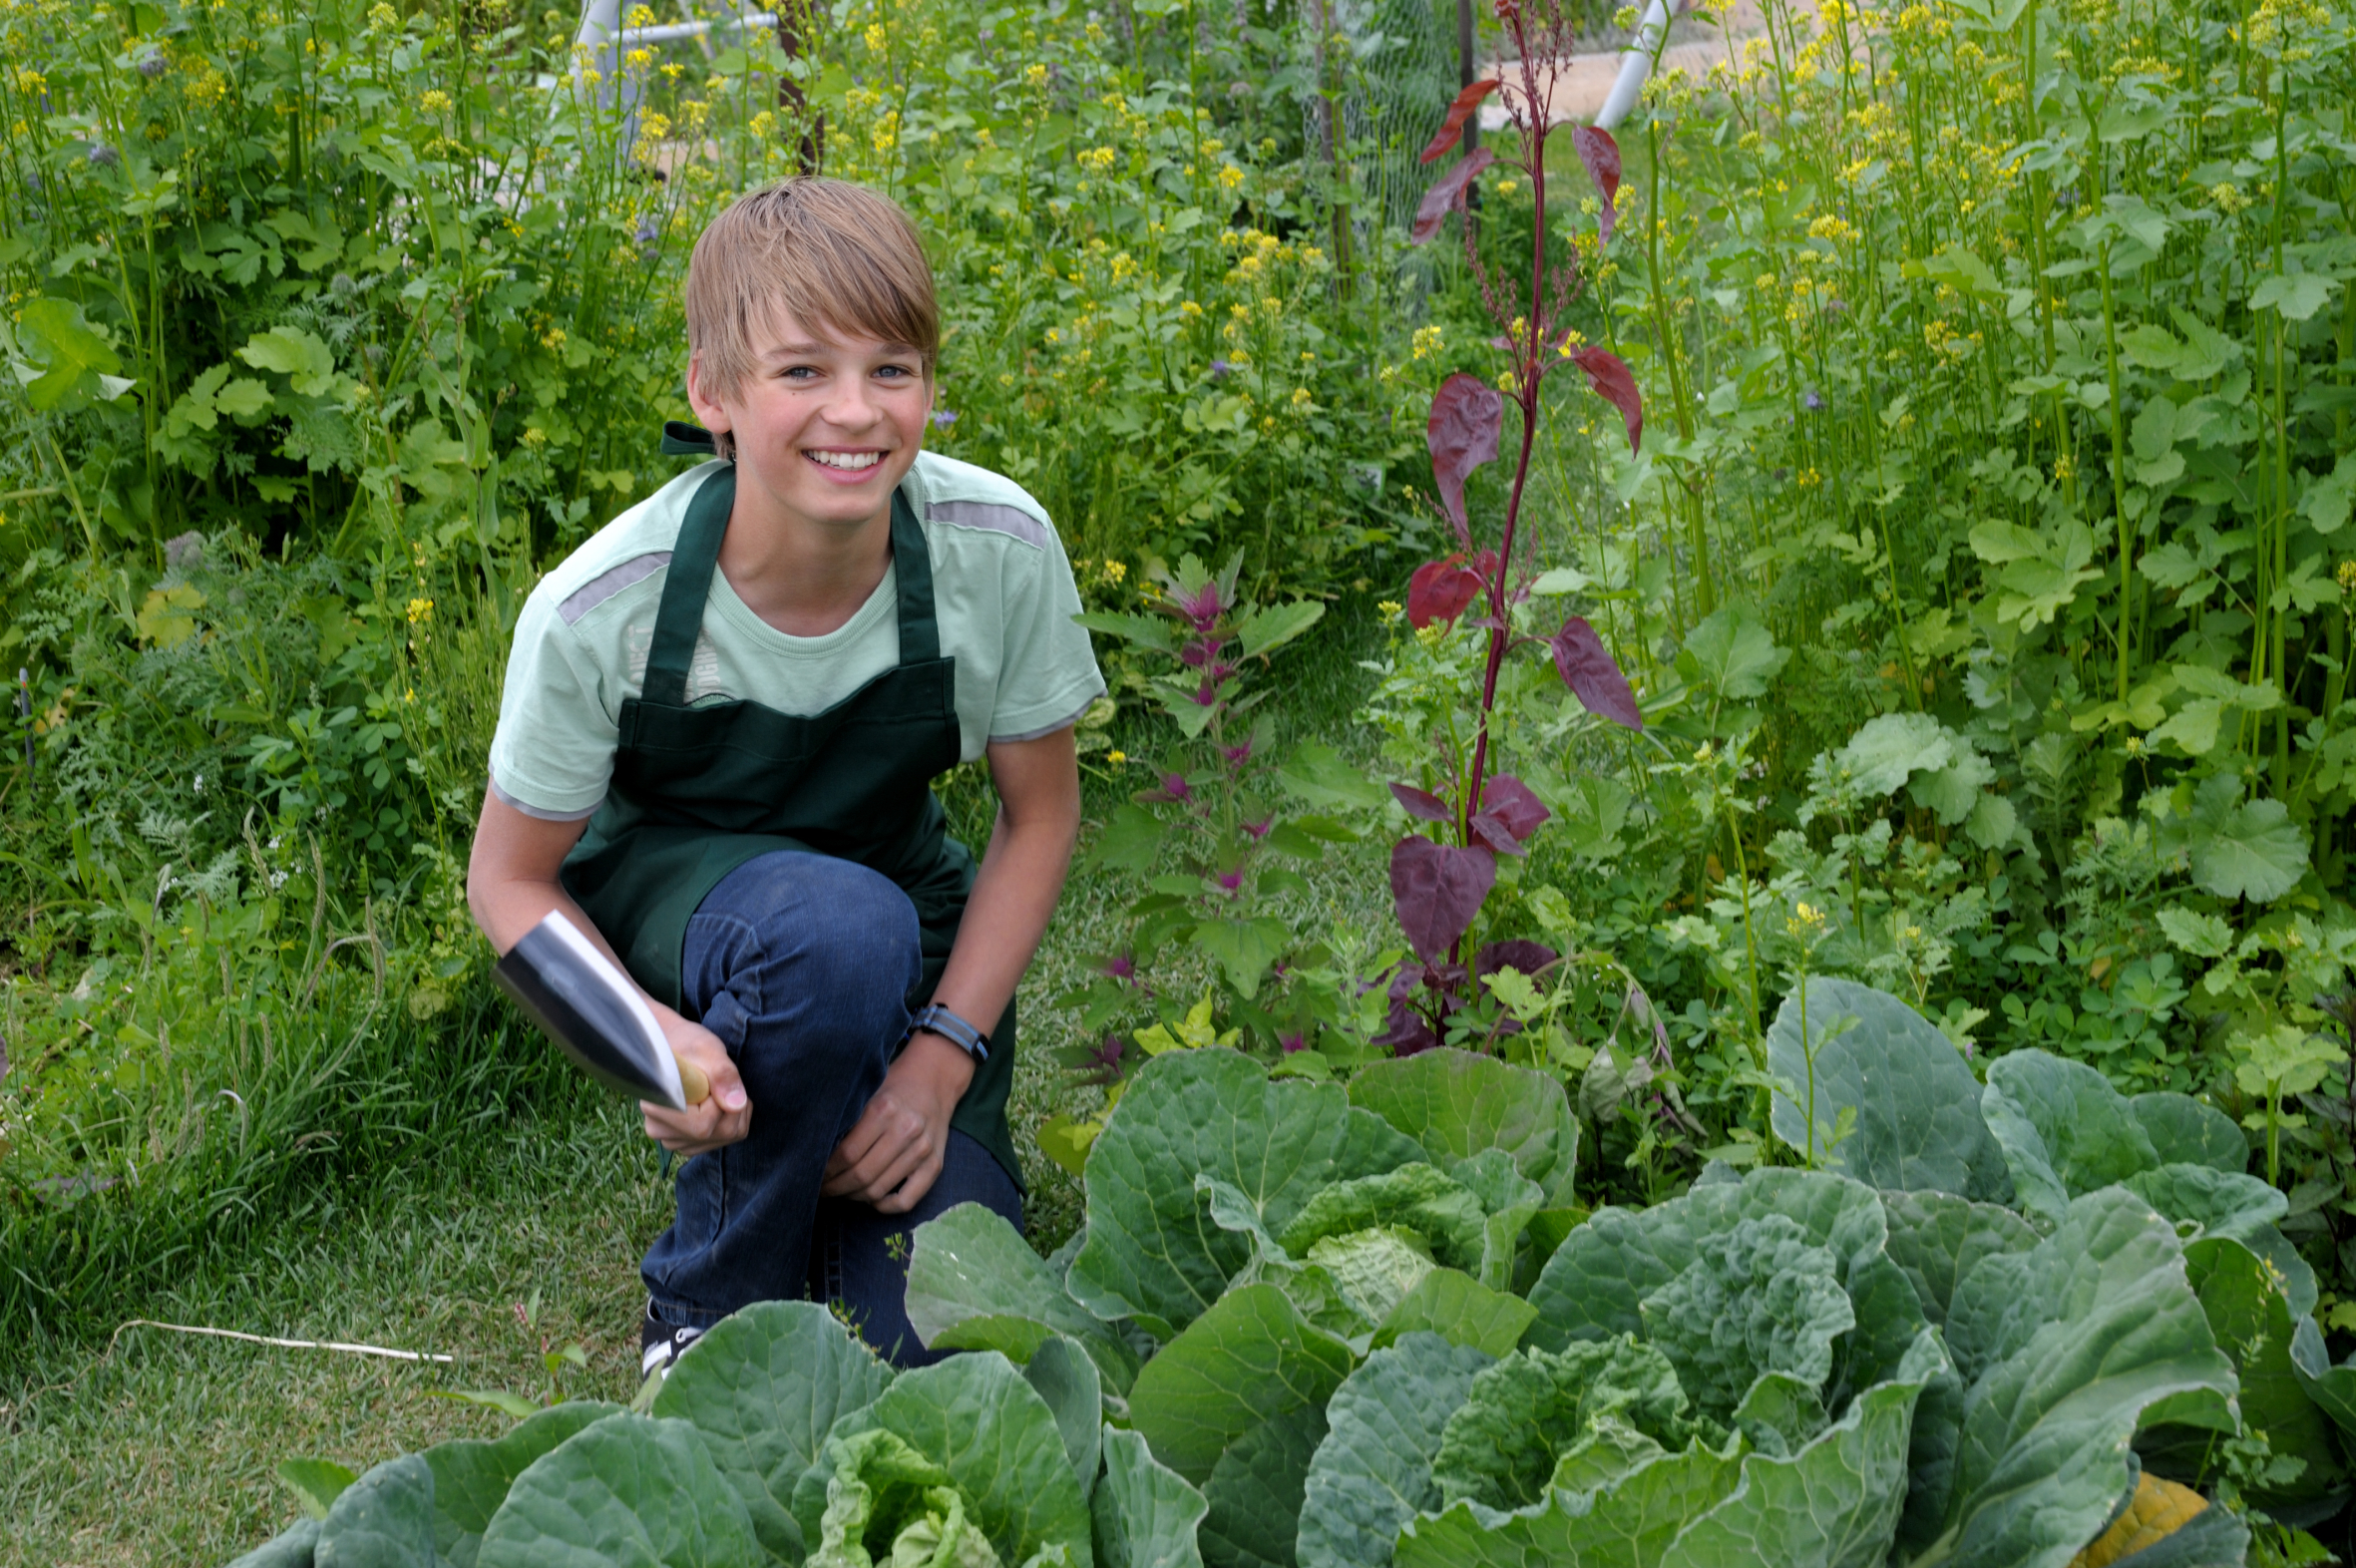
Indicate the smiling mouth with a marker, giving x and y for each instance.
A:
(850, 462)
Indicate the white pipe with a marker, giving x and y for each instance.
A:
(1636, 63)
(669, 31)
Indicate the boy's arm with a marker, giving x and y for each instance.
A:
(511, 884)
(893, 1156)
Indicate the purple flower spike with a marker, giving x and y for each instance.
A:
(1231, 880)
(1121, 966)
(1811, 401)
(1207, 693)
(1219, 369)
(942, 418)
(1203, 607)
(1292, 1043)
(1174, 785)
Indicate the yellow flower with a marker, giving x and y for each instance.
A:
(1189, 309)
(434, 101)
(1427, 342)
(639, 16)
(534, 435)
(1300, 398)
(1116, 757)
(1508, 186)
(1036, 76)
(30, 81)
(420, 610)
(876, 39)
(1230, 176)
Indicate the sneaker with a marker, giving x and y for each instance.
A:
(661, 1343)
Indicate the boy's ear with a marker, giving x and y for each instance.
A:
(709, 412)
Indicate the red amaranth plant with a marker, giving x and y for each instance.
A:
(1440, 879)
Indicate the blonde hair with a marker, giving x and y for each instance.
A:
(830, 255)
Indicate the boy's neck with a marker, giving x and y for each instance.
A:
(802, 576)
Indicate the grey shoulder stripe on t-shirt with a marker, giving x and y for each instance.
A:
(990, 515)
(537, 812)
(1045, 730)
(611, 581)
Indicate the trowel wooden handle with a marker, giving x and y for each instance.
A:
(693, 1086)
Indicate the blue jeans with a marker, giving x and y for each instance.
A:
(803, 965)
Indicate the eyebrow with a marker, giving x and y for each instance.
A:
(812, 350)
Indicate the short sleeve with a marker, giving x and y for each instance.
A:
(1048, 674)
(553, 753)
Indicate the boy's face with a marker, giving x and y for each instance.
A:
(826, 425)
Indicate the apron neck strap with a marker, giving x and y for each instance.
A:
(688, 584)
(912, 564)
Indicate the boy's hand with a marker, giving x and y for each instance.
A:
(893, 1156)
(725, 1114)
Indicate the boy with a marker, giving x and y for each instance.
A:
(721, 718)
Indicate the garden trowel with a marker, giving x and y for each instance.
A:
(594, 1014)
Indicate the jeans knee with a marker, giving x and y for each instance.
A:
(860, 925)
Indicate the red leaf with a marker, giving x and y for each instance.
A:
(1588, 668)
(1421, 803)
(1609, 378)
(1467, 414)
(1601, 155)
(1405, 1032)
(1447, 194)
(1440, 590)
(1437, 890)
(1458, 112)
(1510, 801)
(1527, 957)
(1490, 829)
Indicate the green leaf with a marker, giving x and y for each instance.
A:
(1757, 1298)
(2185, 1131)
(1152, 1252)
(1937, 1239)
(2063, 1130)
(989, 1430)
(2190, 931)
(1373, 1473)
(1461, 1310)
(764, 1387)
(1131, 840)
(2250, 849)
(1594, 1285)
(1914, 1104)
(2297, 296)
(1146, 631)
(1416, 1197)
(2329, 500)
(1630, 1525)
(77, 365)
(1250, 1359)
(2062, 1350)
(293, 1549)
(1889, 750)
(1731, 655)
(1834, 1502)
(306, 362)
(1458, 1103)
(1243, 949)
(472, 1475)
(1373, 1270)
(970, 1266)
(1146, 1514)
(385, 1519)
(1255, 1492)
(628, 1488)
(2252, 1323)
(1502, 1447)
(2333, 1388)
(1318, 776)
(316, 1483)
(1273, 626)
(1066, 1380)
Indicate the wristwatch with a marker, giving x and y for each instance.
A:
(938, 1019)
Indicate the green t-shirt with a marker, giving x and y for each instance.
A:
(1003, 593)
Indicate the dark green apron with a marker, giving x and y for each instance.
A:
(699, 790)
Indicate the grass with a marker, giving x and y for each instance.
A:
(159, 1448)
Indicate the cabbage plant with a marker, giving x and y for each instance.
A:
(779, 1439)
(1308, 1325)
